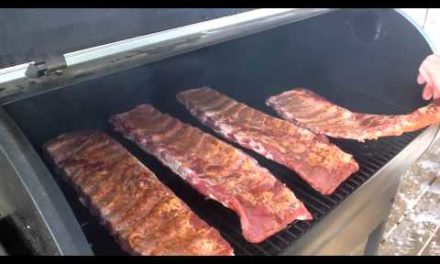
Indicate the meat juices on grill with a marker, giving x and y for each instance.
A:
(321, 164)
(144, 216)
(217, 170)
(306, 108)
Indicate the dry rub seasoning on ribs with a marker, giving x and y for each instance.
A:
(144, 216)
(216, 169)
(321, 164)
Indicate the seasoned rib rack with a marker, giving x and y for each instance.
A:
(321, 164)
(144, 215)
(216, 169)
(238, 62)
(305, 108)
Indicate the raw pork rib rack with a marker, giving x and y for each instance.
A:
(306, 108)
(144, 216)
(321, 164)
(216, 169)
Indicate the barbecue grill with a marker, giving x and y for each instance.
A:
(82, 73)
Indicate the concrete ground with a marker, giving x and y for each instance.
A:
(413, 226)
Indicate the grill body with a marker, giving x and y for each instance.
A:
(364, 60)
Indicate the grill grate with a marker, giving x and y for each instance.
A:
(248, 70)
(46, 116)
(371, 156)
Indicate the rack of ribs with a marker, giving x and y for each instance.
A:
(215, 169)
(308, 109)
(320, 163)
(144, 216)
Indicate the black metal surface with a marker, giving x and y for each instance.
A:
(13, 239)
(2, 251)
(28, 33)
(33, 208)
(165, 45)
(357, 74)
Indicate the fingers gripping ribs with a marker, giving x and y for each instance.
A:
(307, 109)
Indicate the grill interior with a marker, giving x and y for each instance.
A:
(249, 69)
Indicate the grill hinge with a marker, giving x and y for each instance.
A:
(46, 65)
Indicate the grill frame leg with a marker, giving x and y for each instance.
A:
(2, 250)
(375, 237)
(372, 246)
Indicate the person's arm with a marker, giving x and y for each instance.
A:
(429, 74)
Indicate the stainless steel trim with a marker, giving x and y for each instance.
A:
(357, 216)
(421, 30)
(208, 27)
(13, 73)
(152, 47)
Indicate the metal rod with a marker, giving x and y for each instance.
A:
(207, 27)
(98, 52)
(133, 52)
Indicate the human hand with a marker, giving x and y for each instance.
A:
(429, 74)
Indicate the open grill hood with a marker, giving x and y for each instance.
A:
(364, 60)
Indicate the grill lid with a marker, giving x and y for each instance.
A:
(245, 66)
(53, 69)
(31, 33)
